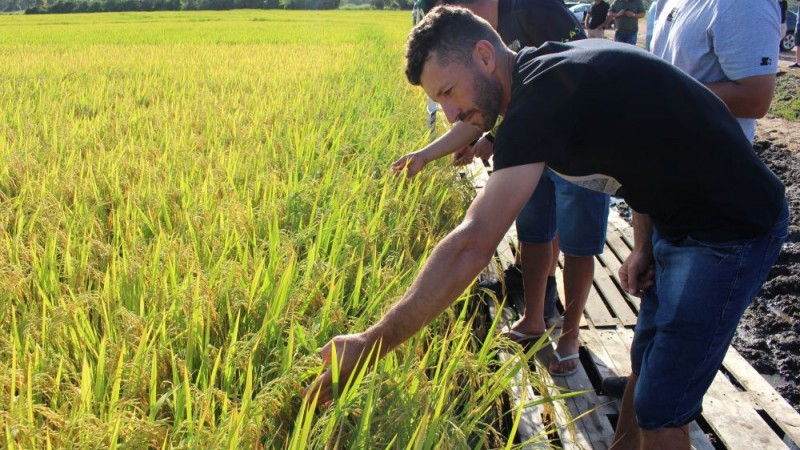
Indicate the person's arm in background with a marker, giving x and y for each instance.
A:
(747, 98)
(640, 11)
(453, 264)
(616, 10)
(460, 136)
(748, 56)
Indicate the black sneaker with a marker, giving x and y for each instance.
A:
(614, 387)
(509, 285)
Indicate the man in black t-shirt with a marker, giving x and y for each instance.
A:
(596, 19)
(578, 215)
(705, 233)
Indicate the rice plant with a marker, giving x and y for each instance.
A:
(191, 205)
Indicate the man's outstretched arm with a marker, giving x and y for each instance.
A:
(452, 266)
(461, 135)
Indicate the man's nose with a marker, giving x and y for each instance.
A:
(451, 112)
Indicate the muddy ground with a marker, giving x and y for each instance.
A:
(769, 333)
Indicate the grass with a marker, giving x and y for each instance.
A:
(191, 205)
(786, 101)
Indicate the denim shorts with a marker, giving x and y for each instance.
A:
(579, 214)
(688, 318)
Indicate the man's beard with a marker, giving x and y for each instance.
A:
(487, 99)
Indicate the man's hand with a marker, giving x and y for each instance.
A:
(484, 148)
(464, 156)
(637, 272)
(352, 352)
(412, 162)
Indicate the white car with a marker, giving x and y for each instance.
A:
(581, 10)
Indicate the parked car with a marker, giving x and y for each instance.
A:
(580, 10)
(787, 43)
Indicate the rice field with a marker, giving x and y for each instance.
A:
(191, 206)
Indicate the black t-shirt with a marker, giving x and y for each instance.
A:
(598, 14)
(669, 146)
(529, 23)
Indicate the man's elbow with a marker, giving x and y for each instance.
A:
(760, 109)
(754, 109)
(475, 246)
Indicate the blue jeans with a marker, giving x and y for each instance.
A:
(688, 318)
(626, 37)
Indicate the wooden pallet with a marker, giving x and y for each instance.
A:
(741, 410)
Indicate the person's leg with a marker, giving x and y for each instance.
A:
(535, 261)
(578, 275)
(581, 220)
(796, 43)
(550, 312)
(628, 433)
(535, 230)
(632, 38)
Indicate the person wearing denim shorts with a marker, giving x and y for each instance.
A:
(581, 216)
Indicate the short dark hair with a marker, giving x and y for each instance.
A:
(451, 33)
(428, 4)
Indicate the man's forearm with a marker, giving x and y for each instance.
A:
(456, 138)
(454, 264)
(642, 232)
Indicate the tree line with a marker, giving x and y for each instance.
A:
(88, 6)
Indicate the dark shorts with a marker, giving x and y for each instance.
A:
(688, 318)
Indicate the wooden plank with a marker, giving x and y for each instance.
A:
(613, 296)
(612, 264)
(607, 365)
(617, 245)
(733, 419)
(610, 350)
(531, 424)
(598, 312)
(592, 424)
(571, 432)
(764, 396)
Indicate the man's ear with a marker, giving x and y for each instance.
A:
(484, 55)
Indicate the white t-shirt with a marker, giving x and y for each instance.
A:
(719, 40)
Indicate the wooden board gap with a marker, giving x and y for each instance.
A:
(713, 438)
